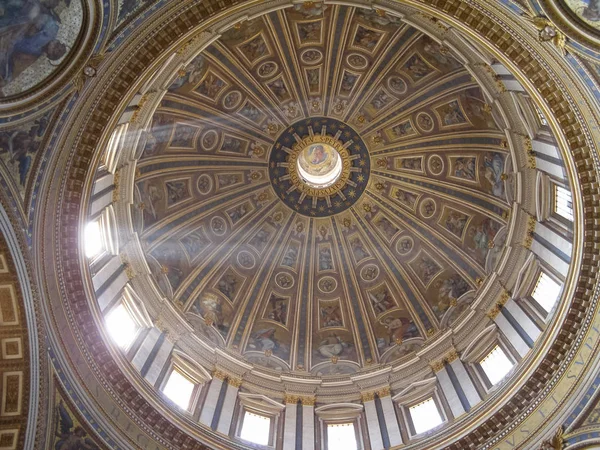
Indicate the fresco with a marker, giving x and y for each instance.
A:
(586, 10)
(69, 434)
(216, 206)
(35, 38)
(19, 146)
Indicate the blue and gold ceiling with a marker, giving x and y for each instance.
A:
(365, 273)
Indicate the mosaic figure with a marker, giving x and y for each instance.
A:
(331, 316)
(426, 268)
(452, 114)
(228, 285)
(455, 223)
(254, 49)
(465, 167)
(71, 437)
(210, 86)
(381, 299)
(358, 249)
(366, 38)
(177, 191)
(493, 167)
(417, 68)
(278, 309)
(325, 259)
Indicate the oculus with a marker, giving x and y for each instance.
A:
(319, 167)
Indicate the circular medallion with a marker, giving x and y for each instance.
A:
(311, 56)
(369, 272)
(397, 84)
(435, 164)
(209, 140)
(284, 280)
(425, 122)
(246, 259)
(404, 245)
(204, 184)
(232, 100)
(319, 167)
(218, 226)
(327, 285)
(427, 208)
(357, 61)
(267, 69)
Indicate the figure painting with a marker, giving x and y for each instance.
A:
(438, 54)
(158, 136)
(238, 212)
(451, 114)
(464, 167)
(366, 38)
(195, 243)
(269, 340)
(277, 309)
(313, 79)
(35, 37)
(454, 221)
(255, 49)
(380, 100)
(290, 256)
(177, 191)
(586, 10)
(183, 136)
(230, 284)
(225, 180)
(214, 311)
(260, 240)
(333, 345)
(330, 314)
(234, 145)
(279, 89)
(492, 169)
(190, 75)
(210, 86)
(425, 268)
(170, 258)
(358, 249)
(406, 198)
(402, 130)
(417, 68)
(386, 227)
(398, 327)
(348, 82)
(415, 164)
(309, 31)
(450, 290)
(19, 146)
(381, 299)
(481, 238)
(252, 113)
(325, 258)
(69, 435)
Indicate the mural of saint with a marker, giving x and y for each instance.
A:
(348, 82)
(266, 339)
(493, 167)
(403, 129)
(260, 239)
(280, 90)
(195, 243)
(210, 307)
(325, 259)
(35, 36)
(398, 330)
(228, 179)
(452, 114)
(455, 223)
(71, 437)
(450, 290)
(210, 86)
(290, 256)
(332, 345)
(482, 235)
(388, 229)
(310, 31)
(331, 316)
(411, 163)
(381, 300)
(237, 213)
(177, 191)
(183, 136)
(426, 268)
(277, 309)
(366, 38)
(380, 100)
(191, 74)
(254, 49)
(406, 198)
(358, 249)
(417, 68)
(228, 285)
(464, 167)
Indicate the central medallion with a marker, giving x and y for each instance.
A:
(319, 166)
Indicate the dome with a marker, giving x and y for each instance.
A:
(290, 224)
(319, 203)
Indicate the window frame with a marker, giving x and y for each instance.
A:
(242, 417)
(408, 419)
(535, 303)
(355, 428)
(480, 372)
(183, 369)
(555, 186)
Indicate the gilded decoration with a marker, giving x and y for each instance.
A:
(235, 260)
(324, 172)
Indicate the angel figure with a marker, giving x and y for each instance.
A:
(71, 438)
(548, 32)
